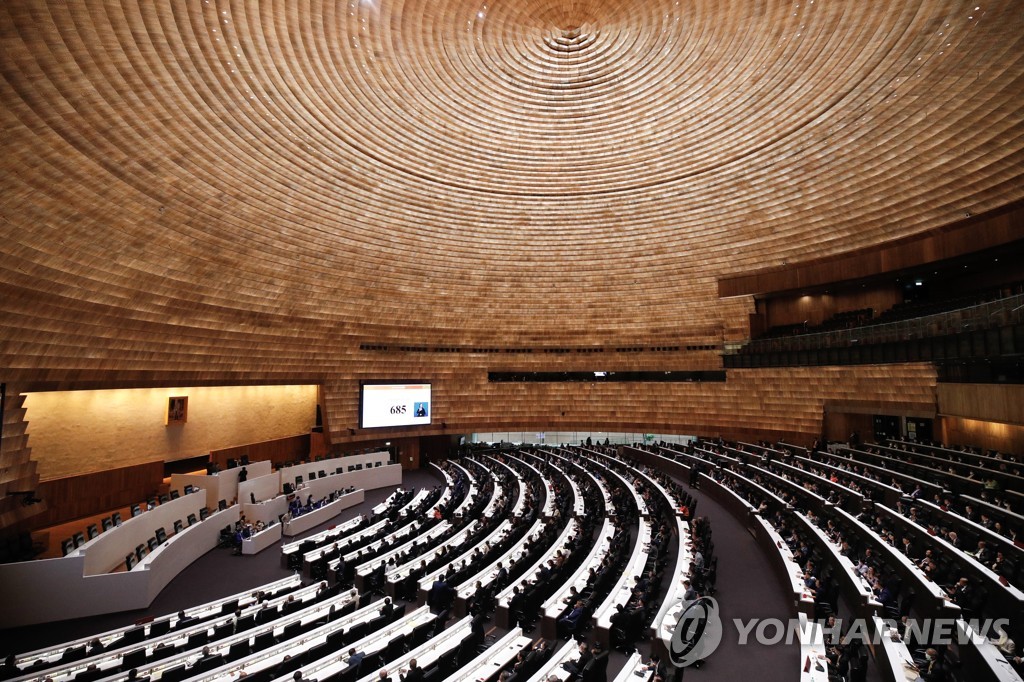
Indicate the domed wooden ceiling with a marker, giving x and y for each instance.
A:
(203, 176)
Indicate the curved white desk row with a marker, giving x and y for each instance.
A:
(634, 670)
(110, 636)
(553, 666)
(562, 543)
(408, 535)
(496, 657)
(327, 536)
(623, 589)
(813, 664)
(427, 580)
(372, 643)
(549, 498)
(864, 590)
(346, 464)
(609, 506)
(107, 551)
(308, 614)
(487, 575)
(427, 653)
(676, 589)
(325, 513)
(271, 656)
(111, 658)
(47, 590)
(261, 540)
(554, 606)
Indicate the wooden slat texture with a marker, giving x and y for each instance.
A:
(986, 402)
(780, 402)
(211, 193)
(214, 193)
(17, 470)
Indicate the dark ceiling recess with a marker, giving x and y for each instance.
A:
(606, 377)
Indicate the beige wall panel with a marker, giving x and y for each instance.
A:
(77, 432)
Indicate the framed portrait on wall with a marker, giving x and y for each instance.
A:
(177, 410)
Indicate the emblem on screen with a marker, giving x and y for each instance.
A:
(698, 632)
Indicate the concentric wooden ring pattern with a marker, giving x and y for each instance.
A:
(214, 190)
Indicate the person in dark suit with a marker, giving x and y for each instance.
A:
(183, 620)
(388, 607)
(571, 620)
(576, 667)
(10, 668)
(413, 674)
(934, 668)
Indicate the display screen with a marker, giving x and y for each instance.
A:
(394, 404)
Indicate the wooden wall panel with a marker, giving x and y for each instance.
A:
(981, 434)
(816, 308)
(275, 195)
(76, 497)
(277, 451)
(780, 402)
(985, 402)
(963, 236)
(839, 425)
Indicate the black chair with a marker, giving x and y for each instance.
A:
(198, 639)
(66, 546)
(192, 519)
(395, 648)
(79, 539)
(175, 673)
(178, 525)
(291, 630)
(245, 623)
(140, 551)
(116, 518)
(136, 510)
(133, 659)
(317, 652)
(263, 640)
(134, 636)
(175, 494)
(92, 531)
(223, 630)
(159, 627)
(239, 650)
(203, 513)
(161, 535)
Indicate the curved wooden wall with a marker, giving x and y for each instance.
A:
(754, 403)
(216, 193)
